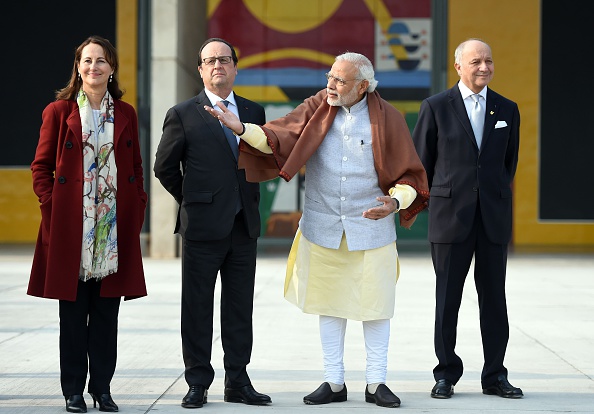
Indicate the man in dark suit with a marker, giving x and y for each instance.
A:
(219, 222)
(467, 138)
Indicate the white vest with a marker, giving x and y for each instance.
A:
(341, 183)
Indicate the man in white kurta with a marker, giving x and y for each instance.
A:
(343, 263)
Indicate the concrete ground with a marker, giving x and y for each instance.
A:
(550, 354)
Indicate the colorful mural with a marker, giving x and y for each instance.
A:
(285, 47)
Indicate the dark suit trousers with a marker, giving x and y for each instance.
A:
(88, 340)
(235, 258)
(452, 263)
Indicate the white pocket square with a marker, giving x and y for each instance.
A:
(500, 124)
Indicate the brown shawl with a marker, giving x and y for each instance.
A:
(296, 136)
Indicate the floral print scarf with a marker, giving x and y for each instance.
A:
(100, 241)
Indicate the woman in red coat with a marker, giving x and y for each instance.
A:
(87, 173)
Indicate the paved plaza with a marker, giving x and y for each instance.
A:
(550, 354)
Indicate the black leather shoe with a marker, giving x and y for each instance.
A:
(503, 388)
(443, 388)
(76, 404)
(105, 402)
(196, 397)
(382, 397)
(324, 395)
(246, 395)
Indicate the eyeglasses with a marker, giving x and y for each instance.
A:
(340, 81)
(209, 61)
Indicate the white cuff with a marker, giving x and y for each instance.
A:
(405, 195)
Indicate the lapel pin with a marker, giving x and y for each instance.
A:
(492, 112)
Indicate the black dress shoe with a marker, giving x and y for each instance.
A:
(503, 388)
(105, 402)
(76, 404)
(246, 395)
(196, 397)
(324, 395)
(443, 388)
(382, 397)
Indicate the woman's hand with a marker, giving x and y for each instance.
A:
(228, 118)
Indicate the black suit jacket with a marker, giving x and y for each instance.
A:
(196, 165)
(459, 174)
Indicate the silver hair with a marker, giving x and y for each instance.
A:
(460, 49)
(364, 66)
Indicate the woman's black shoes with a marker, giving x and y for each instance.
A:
(105, 402)
(75, 404)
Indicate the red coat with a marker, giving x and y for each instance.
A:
(56, 262)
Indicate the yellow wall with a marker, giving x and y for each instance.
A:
(20, 216)
(512, 29)
(127, 45)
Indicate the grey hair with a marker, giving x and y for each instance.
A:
(364, 66)
(460, 49)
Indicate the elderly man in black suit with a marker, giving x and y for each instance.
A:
(467, 138)
(219, 222)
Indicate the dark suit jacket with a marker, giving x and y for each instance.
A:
(459, 175)
(196, 165)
